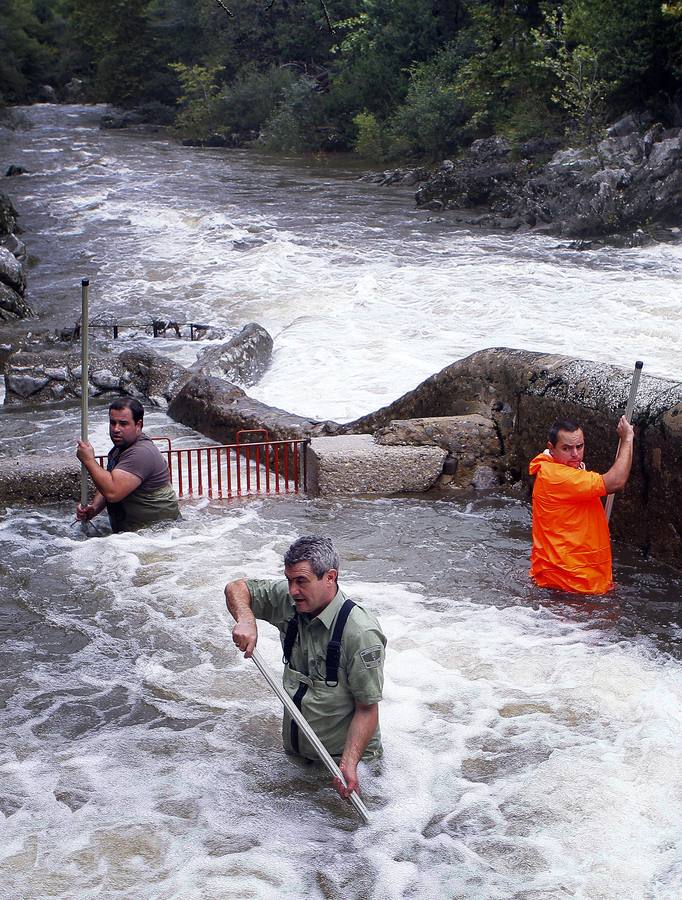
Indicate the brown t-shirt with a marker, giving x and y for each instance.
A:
(143, 459)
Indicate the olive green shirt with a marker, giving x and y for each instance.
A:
(328, 710)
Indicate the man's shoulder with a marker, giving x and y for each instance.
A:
(139, 449)
(362, 623)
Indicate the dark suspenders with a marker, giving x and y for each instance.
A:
(332, 661)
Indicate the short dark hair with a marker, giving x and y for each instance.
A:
(561, 425)
(315, 549)
(135, 407)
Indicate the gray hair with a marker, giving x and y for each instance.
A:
(315, 549)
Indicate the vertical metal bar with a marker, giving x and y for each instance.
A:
(267, 466)
(277, 468)
(248, 469)
(629, 407)
(305, 465)
(190, 482)
(257, 468)
(229, 474)
(210, 474)
(286, 467)
(219, 454)
(199, 473)
(180, 484)
(85, 283)
(238, 459)
(296, 470)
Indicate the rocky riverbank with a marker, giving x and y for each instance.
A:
(13, 258)
(625, 189)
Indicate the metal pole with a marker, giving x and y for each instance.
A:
(84, 383)
(628, 415)
(309, 733)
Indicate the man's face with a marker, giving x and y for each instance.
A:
(310, 593)
(569, 448)
(123, 431)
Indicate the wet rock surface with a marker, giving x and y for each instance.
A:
(219, 410)
(13, 298)
(47, 368)
(244, 358)
(45, 374)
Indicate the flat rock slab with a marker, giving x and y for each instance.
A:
(355, 464)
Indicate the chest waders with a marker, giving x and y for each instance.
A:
(332, 660)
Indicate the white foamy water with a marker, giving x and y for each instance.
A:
(364, 295)
(531, 750)
(531, 741)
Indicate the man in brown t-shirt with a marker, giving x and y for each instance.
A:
(135, 486)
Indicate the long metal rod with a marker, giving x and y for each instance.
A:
(84, 383)
(628, 415)
(309, 733)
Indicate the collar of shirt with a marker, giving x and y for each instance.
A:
(329, 613)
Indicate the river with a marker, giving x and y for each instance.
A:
(531, 740)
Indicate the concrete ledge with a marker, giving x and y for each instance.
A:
(355, 464)
(40, 479)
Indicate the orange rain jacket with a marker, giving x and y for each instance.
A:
(571, 544)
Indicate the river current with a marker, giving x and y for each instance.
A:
(531, 740)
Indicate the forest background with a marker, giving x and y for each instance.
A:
(387, 79)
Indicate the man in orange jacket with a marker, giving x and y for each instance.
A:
(571, 543)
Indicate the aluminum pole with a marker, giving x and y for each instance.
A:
(297, 716)
(628, 415)
(84, 383)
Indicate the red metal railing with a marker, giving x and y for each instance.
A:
(252, 469)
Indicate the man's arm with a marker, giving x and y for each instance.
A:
(362, 727)
(617, 476)
(245, 632)
(114, 486)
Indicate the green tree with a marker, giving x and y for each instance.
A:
(578, 89)
(199, 99)
(127, 62)
(635, 42)
(29, 53)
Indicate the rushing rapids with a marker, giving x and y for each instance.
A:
(532, 741)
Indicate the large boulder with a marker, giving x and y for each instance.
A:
(243, 359)
(220, 410)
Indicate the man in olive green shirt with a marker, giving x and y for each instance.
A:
(341, 704)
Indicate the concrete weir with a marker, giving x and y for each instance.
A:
(473, 425)
(356, 464)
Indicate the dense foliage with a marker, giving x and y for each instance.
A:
(387, 78)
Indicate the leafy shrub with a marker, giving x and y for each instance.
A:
(433, 117)
(252, 98)
(291, 127)
(370, 141)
